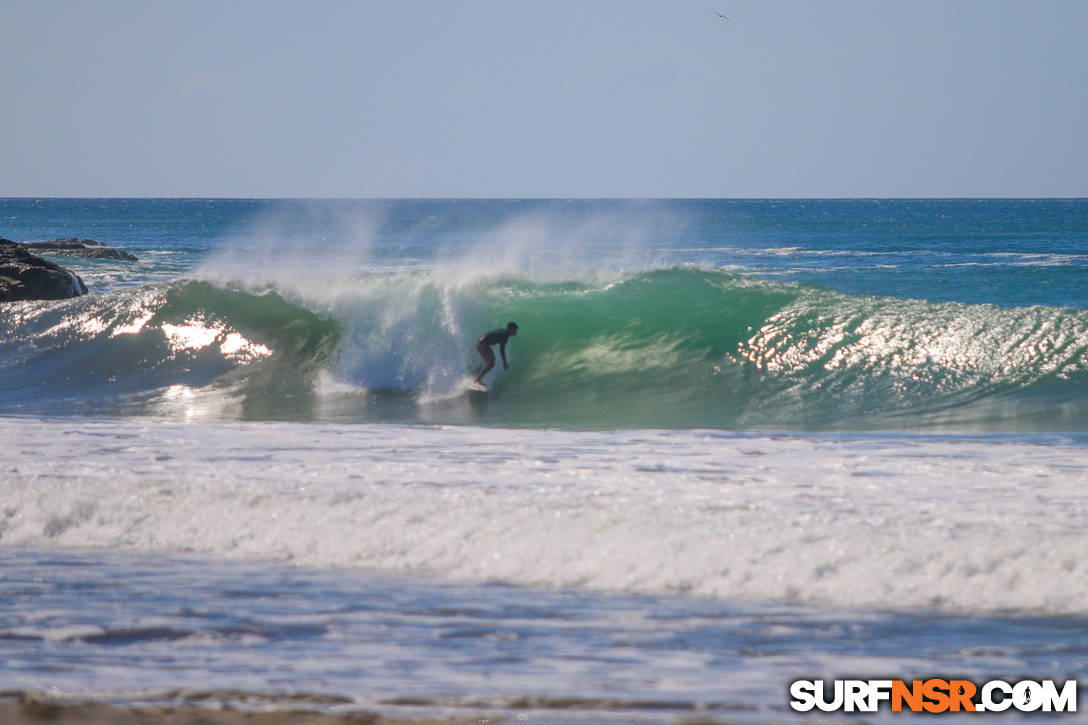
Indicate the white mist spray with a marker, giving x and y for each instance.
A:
(409, 323)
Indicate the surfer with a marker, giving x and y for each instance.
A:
(483, 346)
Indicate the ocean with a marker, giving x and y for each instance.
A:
(740, 443)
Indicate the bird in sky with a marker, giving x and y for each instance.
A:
(721, 16)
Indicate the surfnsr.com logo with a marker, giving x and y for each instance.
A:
(933, 695)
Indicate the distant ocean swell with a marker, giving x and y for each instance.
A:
(674, 347)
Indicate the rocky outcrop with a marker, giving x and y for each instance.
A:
(72, 247)
(24, 276)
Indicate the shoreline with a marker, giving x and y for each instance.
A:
(26, 709)
(32, 711)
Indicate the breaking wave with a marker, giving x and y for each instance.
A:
(670, 347)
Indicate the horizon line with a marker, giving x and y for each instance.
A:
(549, 198)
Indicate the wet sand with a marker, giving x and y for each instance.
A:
(31, 711)
(35, 712)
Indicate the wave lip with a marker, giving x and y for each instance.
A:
(681, 347)
(690, 347)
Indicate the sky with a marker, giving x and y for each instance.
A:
(507, 98)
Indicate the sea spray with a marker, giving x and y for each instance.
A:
(681, 347)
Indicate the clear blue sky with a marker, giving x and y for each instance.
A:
(587, 98)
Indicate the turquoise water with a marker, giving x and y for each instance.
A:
(1007, 252)
(739, 443)
(940, 315)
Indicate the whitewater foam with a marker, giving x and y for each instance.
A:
(754, 353)
(979, 525)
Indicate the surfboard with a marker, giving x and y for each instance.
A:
(470, 382)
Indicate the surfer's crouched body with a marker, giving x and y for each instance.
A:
(483, 346)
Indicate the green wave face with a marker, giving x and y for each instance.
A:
(652, 349)
(677, 347)
(697, 348)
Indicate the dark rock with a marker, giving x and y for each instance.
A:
(26, 277)
(72, 247)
